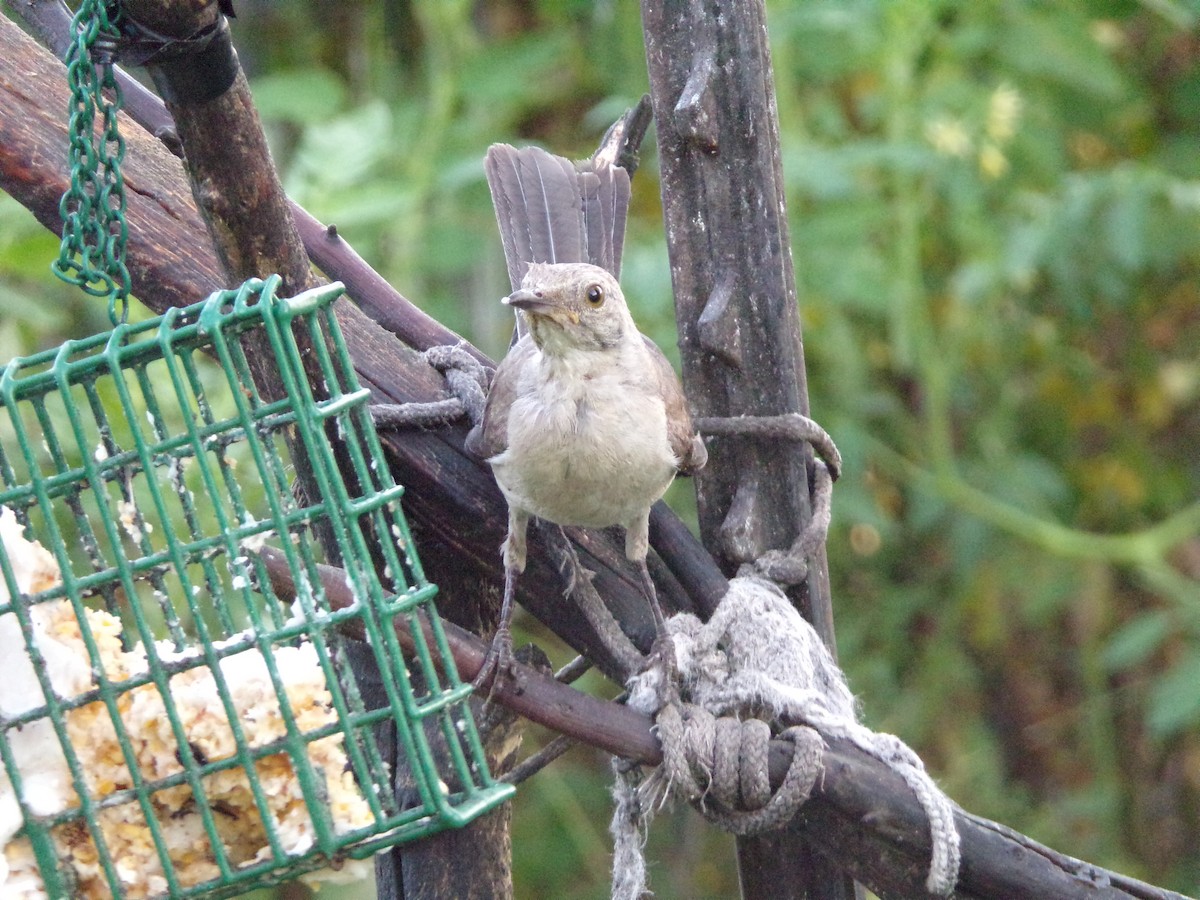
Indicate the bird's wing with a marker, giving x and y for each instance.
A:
(686, 444)
(489, 437)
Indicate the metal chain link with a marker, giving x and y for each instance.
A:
(92, 255)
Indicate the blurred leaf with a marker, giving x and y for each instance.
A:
(519, 71)
(1126, 222)
(306, 96)
(1132, 643)
(1044, 42)
(839, 35)
(342, 151)
(369, 206)
(1028, 481)
(1175, 697)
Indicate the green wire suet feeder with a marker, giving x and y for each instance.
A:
(170, 723)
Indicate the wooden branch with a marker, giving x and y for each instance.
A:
(739, 330)
(731, 270)
(233, 178)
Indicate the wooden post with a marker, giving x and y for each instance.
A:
(739, 330)
(233, 177)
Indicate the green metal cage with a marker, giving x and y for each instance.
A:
(180, 727)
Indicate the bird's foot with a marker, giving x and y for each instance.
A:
(498, 664)
(662, 656)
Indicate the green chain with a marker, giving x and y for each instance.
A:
(92, 255)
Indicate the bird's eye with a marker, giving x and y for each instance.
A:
(595, 295)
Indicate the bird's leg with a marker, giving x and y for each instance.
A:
(660, 622)
(583, 594)
(637, 546)
(498, 663)
(662, 651)
(571, 568)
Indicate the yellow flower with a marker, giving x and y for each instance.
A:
(1108, 34)
(1004, 109)
(948, 137)
(992, 161)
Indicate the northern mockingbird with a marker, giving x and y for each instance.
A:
(585, 424)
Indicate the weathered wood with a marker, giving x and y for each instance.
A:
(739, 331)
(233, 178)
(235, 184)
(731, 266)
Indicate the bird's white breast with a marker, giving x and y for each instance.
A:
(587, 441)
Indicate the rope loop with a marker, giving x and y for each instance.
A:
(467, 380)
(719, 764)
(789, 567)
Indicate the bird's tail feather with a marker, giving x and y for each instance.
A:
(552, 210)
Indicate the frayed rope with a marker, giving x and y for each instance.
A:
(755, 658)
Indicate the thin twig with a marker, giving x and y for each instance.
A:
(534, 763)
(573, 670)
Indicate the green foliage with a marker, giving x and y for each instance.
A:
(994, 210)
(36, 310)
(994, 229)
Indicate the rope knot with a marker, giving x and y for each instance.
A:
(719, 764)
(755, 659)
(467, 380)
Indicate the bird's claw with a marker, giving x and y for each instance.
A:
(662, 656)
(498, 665)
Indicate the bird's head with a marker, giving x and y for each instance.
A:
(572, 305)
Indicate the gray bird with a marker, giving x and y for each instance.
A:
(585, 424)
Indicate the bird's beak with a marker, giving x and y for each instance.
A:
(534, 303)
(530, 301)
